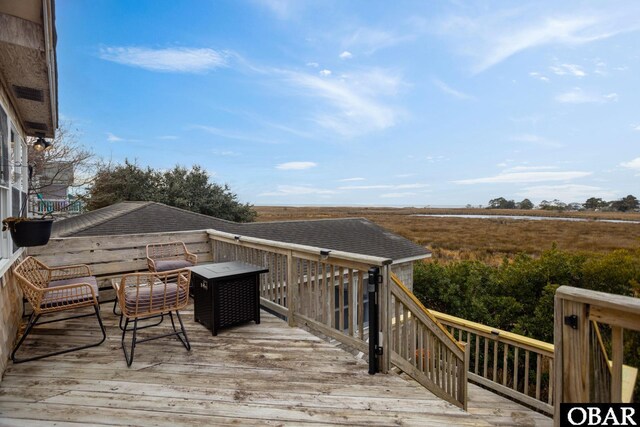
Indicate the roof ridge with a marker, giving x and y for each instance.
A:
(197, 213)
(110, 218)
(307, 220)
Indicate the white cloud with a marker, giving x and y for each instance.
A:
(537, 140)
(384, 187)
(354, 104)
(230, 134)
(495, 37)
(282, 9)
(525, 177)
(568, 69)
(450, 91)
(539, 76)
(177, 60)
(168, 137)
(296, 165)
(529, 168)
(566, 192)
(611, 97)
(579, 96)
(225, 153)
(434, 159)
(370, 40)
(351, 179)
(313, 64)
(113, 138)
(397, 195)
(636, 127)
(346, 55)
(325, 72)
(632, 164)
(296, 190)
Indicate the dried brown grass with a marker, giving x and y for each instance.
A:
(482, 239)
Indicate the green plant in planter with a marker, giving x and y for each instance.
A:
(11, 222)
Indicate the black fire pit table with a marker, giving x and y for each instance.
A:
(226, 294)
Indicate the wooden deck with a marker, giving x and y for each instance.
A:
(267, 374)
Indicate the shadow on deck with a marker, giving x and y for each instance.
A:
(267, 374)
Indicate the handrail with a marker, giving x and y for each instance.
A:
(310, 250)
(502, 335)
(426, 311)
(511, 364)
(423, 348)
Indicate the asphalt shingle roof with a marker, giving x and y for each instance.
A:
(356, 235)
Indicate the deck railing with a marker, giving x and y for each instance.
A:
(326, 291)
(423, 348)
(511, 364)
(587, 376)
(41, 207)
(113, 256)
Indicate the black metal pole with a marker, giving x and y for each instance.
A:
(374, 279)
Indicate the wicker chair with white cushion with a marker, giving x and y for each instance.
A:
(52, 290)
(169, 256)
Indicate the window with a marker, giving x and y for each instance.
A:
(5, 192)
(13, 155)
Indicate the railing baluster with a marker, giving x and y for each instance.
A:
(360, 305)
(398, 329)
(526, 373)
(421, 350)
(516, 363)
(351, 302)
(505, 349)
(550, 397)
(486, 358)
(495, 360)
(477, 356)
(538, 375)
(341, 290)
(405, 332)
(332, 296)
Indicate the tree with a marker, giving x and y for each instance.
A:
(625, 204)
(595, 203)
(188, 189)
(501, 203)
(66, 160)
(525, 204)
(119, 183)
(555, 205)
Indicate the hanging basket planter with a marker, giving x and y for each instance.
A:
(27, 232)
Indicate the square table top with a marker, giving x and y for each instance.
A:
(226, 270)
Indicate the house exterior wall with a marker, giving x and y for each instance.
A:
(10, 311)
(405, 272)
(13, 170)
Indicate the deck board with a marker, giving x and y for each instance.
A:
(267, 374)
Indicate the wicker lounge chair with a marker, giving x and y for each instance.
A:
(56, 289)
(143, 296)
(169, 256)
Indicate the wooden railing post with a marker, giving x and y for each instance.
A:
(385, 319)
(571, 330)
(292, 289)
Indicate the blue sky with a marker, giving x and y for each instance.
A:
(407, 103)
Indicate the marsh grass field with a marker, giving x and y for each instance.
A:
(483, 239)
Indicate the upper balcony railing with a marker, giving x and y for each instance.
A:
(61, 207)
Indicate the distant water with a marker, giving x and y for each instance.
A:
(529, 217)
